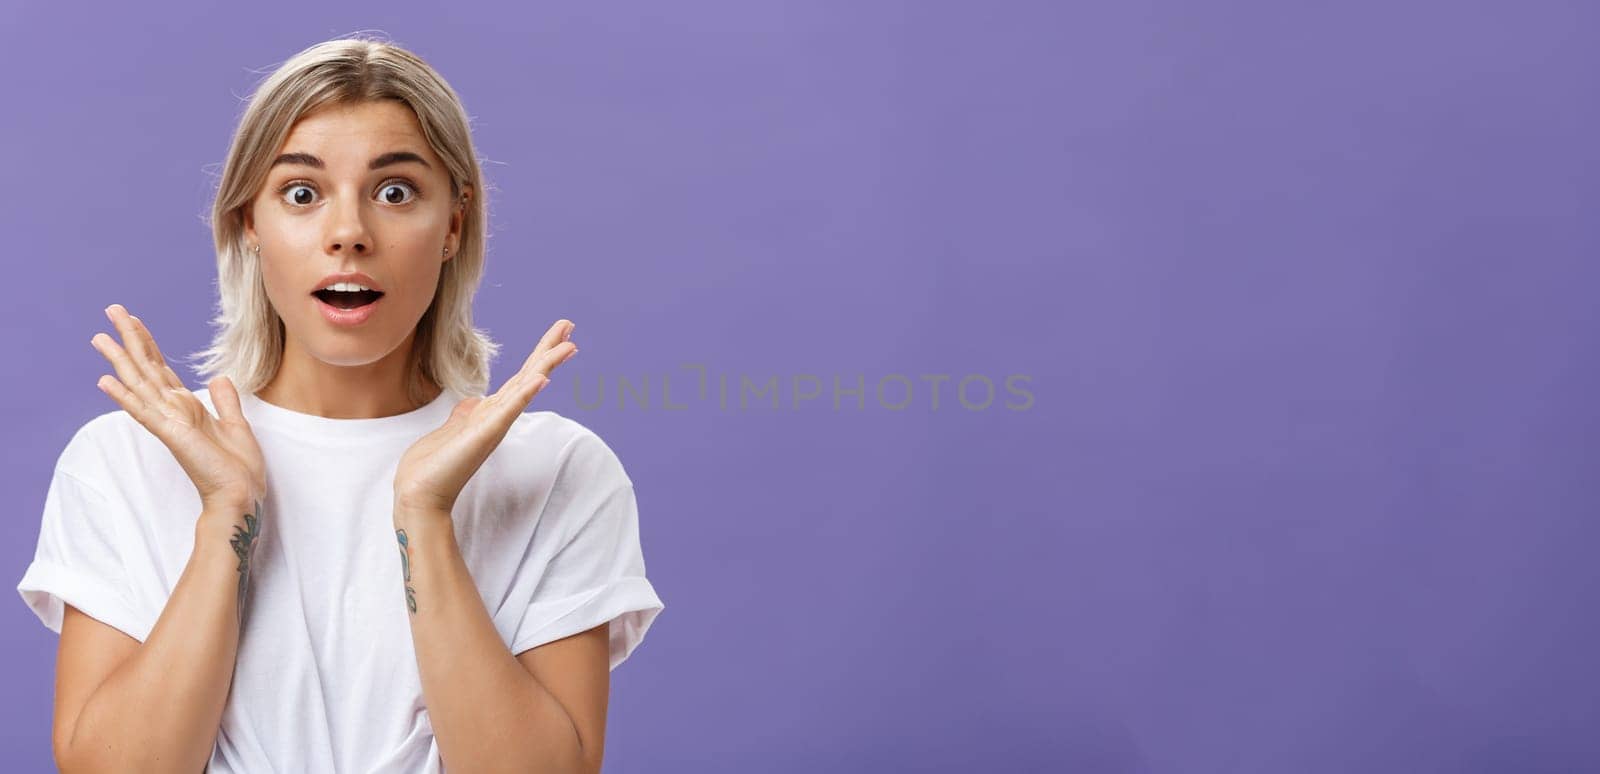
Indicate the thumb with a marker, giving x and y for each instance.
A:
(226, 398)
(463, 408)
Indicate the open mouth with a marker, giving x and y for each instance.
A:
(343, 299)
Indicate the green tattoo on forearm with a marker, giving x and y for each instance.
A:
(405, 565)
(244, 544)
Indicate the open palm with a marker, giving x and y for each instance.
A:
(432, 473)
(219, 453)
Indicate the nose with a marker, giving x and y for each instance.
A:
(347, 229)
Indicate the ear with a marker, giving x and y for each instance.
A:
(246, 213)
(458, 220)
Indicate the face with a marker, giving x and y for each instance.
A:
(359, 191)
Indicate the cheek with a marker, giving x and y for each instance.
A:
(413, 258)
(281, 288)
(418, 284)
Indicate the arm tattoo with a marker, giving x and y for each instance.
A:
(405, 564)
(244, 543)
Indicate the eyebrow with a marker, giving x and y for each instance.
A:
(387, 159)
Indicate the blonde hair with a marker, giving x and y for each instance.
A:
(247, 346)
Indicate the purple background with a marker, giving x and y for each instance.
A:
(1305, 293)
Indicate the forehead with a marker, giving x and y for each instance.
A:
(357, 132)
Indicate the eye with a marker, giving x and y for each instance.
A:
(295, 198)
(386, 193)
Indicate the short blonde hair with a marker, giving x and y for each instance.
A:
(247, 346)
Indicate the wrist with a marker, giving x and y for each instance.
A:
(224, 515)
(421, 504)
(230, 501)
(419, 514)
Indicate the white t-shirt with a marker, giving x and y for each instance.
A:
(326, 678)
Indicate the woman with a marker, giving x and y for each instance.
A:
(390, 570)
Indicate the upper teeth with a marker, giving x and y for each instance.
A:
(347, 287)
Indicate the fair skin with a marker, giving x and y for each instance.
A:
(540, 710)
(322, 211)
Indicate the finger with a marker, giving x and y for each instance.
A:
(561, 331)
(555, 335)
(124, 397)
(160, 424)
(513, 397)
(553, 350)
(535, 372)
(145, 379)
(226, 398)
(119, 317)
(133, 378)
(157, 360)
(555, 356)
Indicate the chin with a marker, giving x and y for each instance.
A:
(351, 347)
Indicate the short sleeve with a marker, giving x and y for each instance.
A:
(77, 561)
(597, 575)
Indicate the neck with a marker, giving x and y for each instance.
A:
(380, 388)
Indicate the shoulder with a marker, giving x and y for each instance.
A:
(111, 449)
(570, 448)
(103, 446)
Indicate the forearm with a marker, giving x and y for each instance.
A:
(161, 708)
(488, 712)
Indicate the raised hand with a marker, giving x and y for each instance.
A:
(219, 453)
(432, 473)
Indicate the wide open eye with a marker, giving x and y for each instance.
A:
(295, 197)
(394, 192)
(386, 194)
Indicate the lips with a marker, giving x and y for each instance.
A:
(347, 299)
(353, 277)
(347, 308)
(354, 316)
